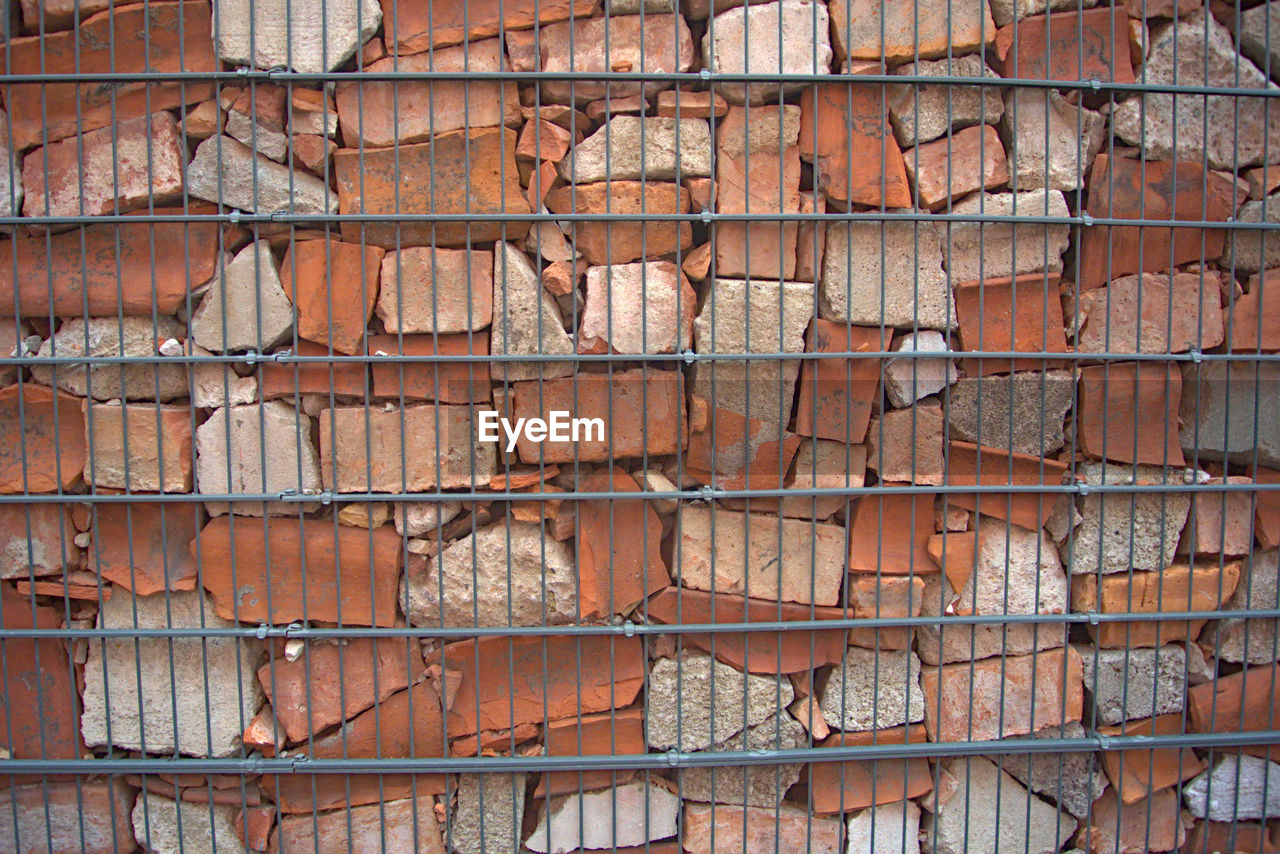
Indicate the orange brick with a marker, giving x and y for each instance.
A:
(334, 286)
(974, 465)
(1178, 588)
(1021, 314)
(43, 446)
(858, 784)
(619, 548)
(446, 381)
(890, 534)
(844, 132)
(1136, 774)
(1128, 412)
(835, 395)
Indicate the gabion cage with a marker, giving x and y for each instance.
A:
(541, 426)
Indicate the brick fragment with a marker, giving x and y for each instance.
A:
(976, 465)
(1245, 701)
(739, 828)
(257, 448)
(1128, 188)
(83, 268)
(637, 308)
(1128, 412)
(836, 396)
(139, 447)
(351, 574)
(1074, 45)
(642, 410)
(1149, 824)
(1231, 411)
(114, 169)
(344, 379)
(785, 560)
(619, 242)
(598, 734)
(947, 169)
(144, 546)
(694, 105)
(414, 29)
(413, 449)
(444, 381)
(1149, 313)
(638, 43)
(1052, 141)
(177, 39)
(425, 289)
(1254, 317)
(227, 171)
(908, 32)
(307, 36)
(44, 448)
(306, 701)
(334, 286)
(258, 118)
(1181, 587)
(763, 179)
(905, 445)
(1003, 696)
(922, 111)
(40, 715)
(460, 172)
(889, 534)
(1136, 774)
(507, 681)
(1021, 315)
(886, 274)
(735, 452)
(620, 558)
(76, 815)
(987, 250)
(1220, 522)
(376, 113)
(843, 133)
(630, 148)
(838, 787)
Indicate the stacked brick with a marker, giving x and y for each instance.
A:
(235, 492)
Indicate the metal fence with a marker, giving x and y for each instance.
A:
(934, 501)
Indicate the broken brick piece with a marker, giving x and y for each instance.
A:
(43, 447)
(333, 286)
(619, 548)
(1128, 412)
(1022, 314)
(835, 395)
(978, 465)
(445, 381)
(845, 133)
(889, 533)
(1074, 45)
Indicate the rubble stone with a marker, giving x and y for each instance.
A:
(262, 448)
(906, 380)
(1004, 412)
(1231, 411)
(114, 337)
(488, 814)
(165, 712)
(1051, 141)
(309, 36)
(1072, 780)
(947, 169)
(874, 689)
(1135, 683)
(886, 274)
(1227, 131)
(755, 785)
(246, 303)
(630, 814)
(637, 308)
(1252, 641)
(891, 827)
(986, 250)
(226, 171)
(679, 708)
(424, 289)
(737, 828)
(528, 320)
(900, 31)
(166, 826)
(507, 574)
(784, 37)
(629, 148)
(990, 811)
(923, 112)
(1238, 788)
(141, 447)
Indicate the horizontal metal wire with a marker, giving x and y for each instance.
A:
(284, 76)
(639, 761)
(629, 628)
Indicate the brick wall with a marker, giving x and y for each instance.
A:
(294, 441)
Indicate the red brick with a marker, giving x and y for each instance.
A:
(1129, 412)
(1255, 316)
(760, 184)
(1267, 508)
(1127, 188)
(39, 715)
(405, 826)
(619, 548)
(691, 105)
(156, 437)
(1178, 588)
(447, 382)
(621, 242)
(794, 651)
(737, 452)
(411, 449)
(1075, 45)
(974, 465)
(308, 793)
(379, 113)
(507, 681)
(1018, 315)
(177, 39)
(600, 734)
(643, 413)
(1136, 774)
(890, 534)
(144, 546)
(113, 169)
(285, 380)
(1247, 836)
(460, 172)
(1000, 697)
(945, 170)
(1245, 701)
(103, 270)
(837, 787)
(1150, 313)
(1148, 824)
(871, 596)
(413, 27)
(312, 152)
(836, 395)
(844, 133)
(42, 444)
(1220, 522)
(543, 141)
(313, 570)
(906, 444)
(307, 700)
(333, 286)
(253, 826)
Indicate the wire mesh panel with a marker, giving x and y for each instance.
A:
(717, 426)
